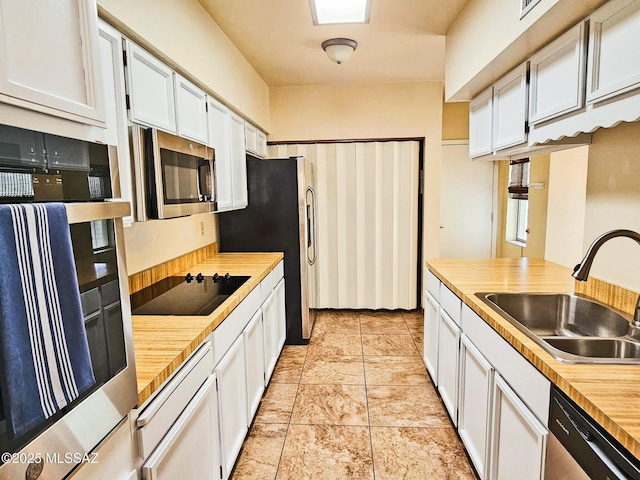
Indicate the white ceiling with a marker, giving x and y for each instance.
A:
(403, 42)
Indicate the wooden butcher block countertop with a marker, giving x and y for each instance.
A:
(163, 342)
(609, 393)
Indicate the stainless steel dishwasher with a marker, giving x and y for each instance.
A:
(578, 448)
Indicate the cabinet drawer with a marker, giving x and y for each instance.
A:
(90, 301)
(530, 385)
(450, 303)
(231, 327)
(110, 292)
(159, 414)
(270, 281)
(433, 286)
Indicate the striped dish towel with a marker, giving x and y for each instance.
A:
(44, 354)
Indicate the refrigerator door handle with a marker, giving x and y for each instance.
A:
(312, 253)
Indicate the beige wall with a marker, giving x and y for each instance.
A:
(156, 241)
(538, 200)
(488, 39)
(371, 111)
(613, 201)
(567, 202)
(183, 34)
(455, 121)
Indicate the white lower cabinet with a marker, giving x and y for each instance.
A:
(190, 448)
(254, 358)
(518, 438)
(194, 426)
(474, 404)
(430, 349)
(498, 401)
(448, 354)
(281, 318)
(270, 326)
(232, 401)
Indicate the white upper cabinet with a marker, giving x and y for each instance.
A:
(226, 136)
(251, 138)
(192, 110)
(480, 124)
(49, 60)
(220, 141)
(239, 162)
(558, 76)
(262, 144)
(614, 56)
(115, 107)
(150, 88)
(510, 109)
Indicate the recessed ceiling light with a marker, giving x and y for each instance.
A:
(340, 11)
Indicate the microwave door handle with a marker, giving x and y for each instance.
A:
(204, 182)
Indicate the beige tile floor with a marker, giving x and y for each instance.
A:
(356, 403)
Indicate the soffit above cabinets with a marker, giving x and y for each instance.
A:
(403, 41)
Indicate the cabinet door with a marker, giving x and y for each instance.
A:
(150, 89)
(238, 162)
(251, 134)
(115, 337)
(191, 104)
(448, 354)
(191, 448)
(431, 326)
(518, 439)
(614, 57)
(281, 306)
(254, 358)
(557, 76)
(474, 404)
(270, 325)
(232, 401)
(220, 140)
(49, 58)
(510, 109)
(94, 326)
(480, 124)
(116, 107)
(262, 144)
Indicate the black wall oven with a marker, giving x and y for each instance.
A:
(97, 240)
(40, 167)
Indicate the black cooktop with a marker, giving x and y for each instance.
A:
(188, 295)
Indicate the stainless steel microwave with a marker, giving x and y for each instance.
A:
(179, 176)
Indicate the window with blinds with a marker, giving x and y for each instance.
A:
(519, 179)
(518, 204)
(526, 6)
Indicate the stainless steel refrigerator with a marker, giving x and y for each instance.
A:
(280, 217)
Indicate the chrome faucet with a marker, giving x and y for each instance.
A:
(581, 271)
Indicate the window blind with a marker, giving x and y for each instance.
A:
(519, 179)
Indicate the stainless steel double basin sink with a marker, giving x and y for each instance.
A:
(572, 328)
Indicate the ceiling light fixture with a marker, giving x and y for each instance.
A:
(340, 11)
(339, 49)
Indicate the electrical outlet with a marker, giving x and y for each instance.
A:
(202, 229)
